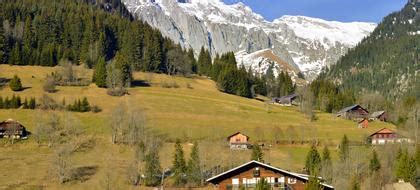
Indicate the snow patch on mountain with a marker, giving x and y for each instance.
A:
(305, 44)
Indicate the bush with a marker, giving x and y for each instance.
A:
(15, 84)
(95, 109)
(47, 103)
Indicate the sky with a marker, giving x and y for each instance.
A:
(337, 10)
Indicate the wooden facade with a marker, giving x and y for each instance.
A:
(386, 136)
(364, 123)
(353, 112)
(247, 176)
(379, 115)
(12, 129)
(238, 141)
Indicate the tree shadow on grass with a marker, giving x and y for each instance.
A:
(84, 173)
(3, 82)
(140, 83)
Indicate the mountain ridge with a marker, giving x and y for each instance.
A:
(221, 28)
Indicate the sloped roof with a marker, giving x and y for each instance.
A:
(346, 109)
(377, 114)
(383, 131)
(247, 137)
(296, 175)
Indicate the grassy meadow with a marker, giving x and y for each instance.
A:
(196, 111)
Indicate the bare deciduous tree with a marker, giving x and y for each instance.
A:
(62, 166)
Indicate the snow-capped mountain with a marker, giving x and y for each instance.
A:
(305, 44)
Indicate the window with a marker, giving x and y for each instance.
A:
(291, 180)
(256, 172)
(238, 140)
(235, 181)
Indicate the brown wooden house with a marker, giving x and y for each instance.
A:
(386, 136)
(12, 129)
(353, 112)
(379, 115)
(238, 141)
(246, 176)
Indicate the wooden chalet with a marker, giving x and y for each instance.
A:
(386, 136)
(379, 115)
(238, 141)
(12, 129)
(246, 176)
(288, 100)
(353, 112)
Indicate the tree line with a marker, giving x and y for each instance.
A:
(15, 102)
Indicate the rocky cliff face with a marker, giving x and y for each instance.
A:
(306, 44)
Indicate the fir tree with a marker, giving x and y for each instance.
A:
(257, 153)
(15, 84)
(99, 75)
(32, 103)
(152, 168)
(344, 149)
(194, 169)
(313, 184)
(204, 62)
(406, 167)
(179, 166)
(313, 161)
(84, 107)
(374, 164)
(2, 41)
(1, 103)
(327, 168)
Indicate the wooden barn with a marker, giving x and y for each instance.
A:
(364, 123)
(386, 136)
(246, 176)
(379, 115)
(353, 112)
(12, 129)
(288, 100)
(238, 141)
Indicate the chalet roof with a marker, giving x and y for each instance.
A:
(291, 96)
(8, 122)
(253, 162)
(377, 114)
(346, 109)
(247, 137)
(383, 131)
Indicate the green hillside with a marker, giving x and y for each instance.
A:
(387, 61)
(195, 111)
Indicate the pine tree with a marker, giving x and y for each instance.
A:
(25, 104)
(152, 168)
(194, 169)
(204, 62)
(15, 84)
(313, 184)
(179, 166)
(313, 161)
(84, 107)
(257, 153)
(374, 164)
(344, 149)
(32, 103)
(406, 167)
(1, 103)
(2, 41)
(99, 75)
(327, 168)
(192, 60)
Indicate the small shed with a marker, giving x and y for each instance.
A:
(379, 115)
(353, 112)
(12, 129)
(238, 141)
(288, 100)
(364, 123)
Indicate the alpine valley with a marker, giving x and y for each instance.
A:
(290, 43)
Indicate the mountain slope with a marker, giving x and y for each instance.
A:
(387, 61)
(306, 43)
